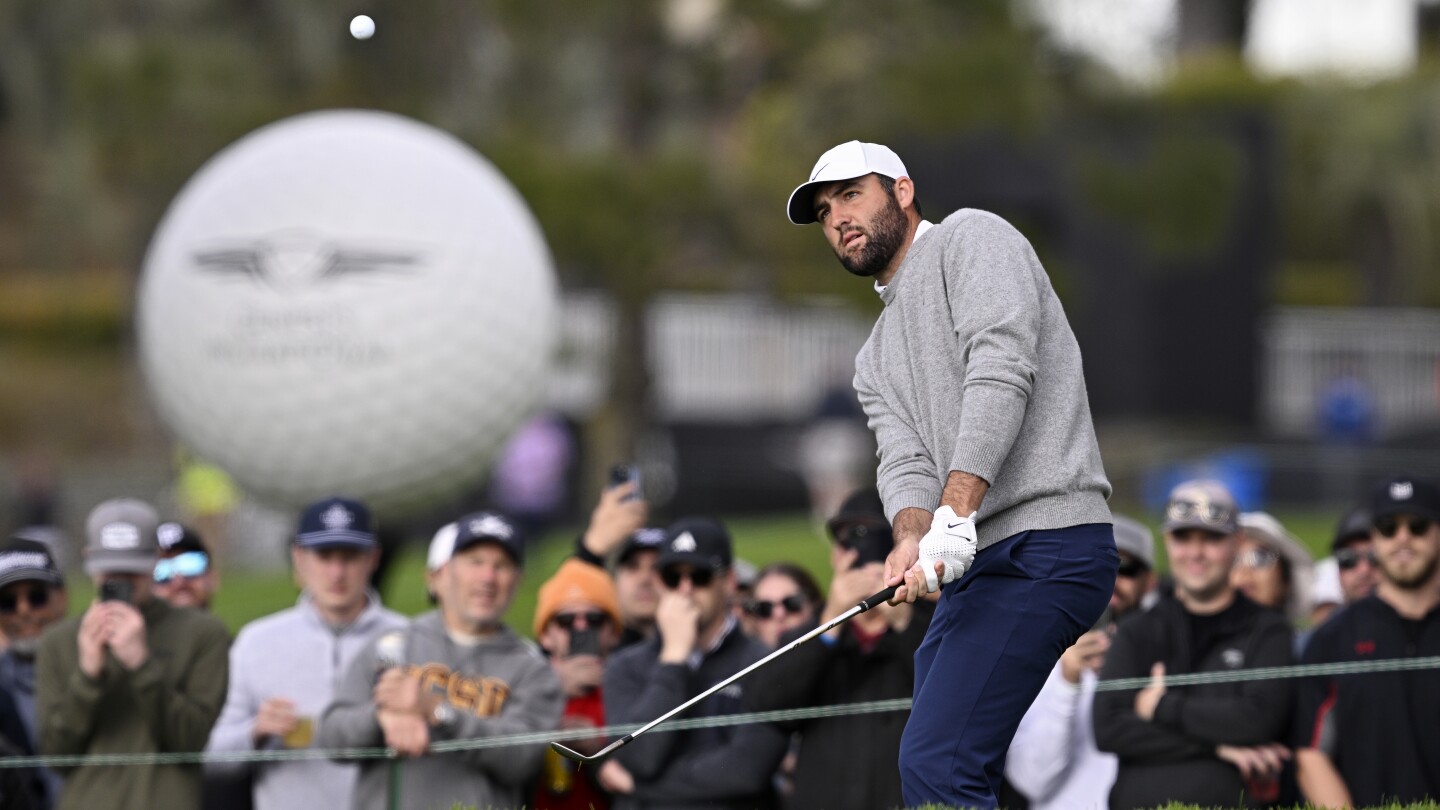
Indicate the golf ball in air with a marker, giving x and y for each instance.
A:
(314, 329)
(362, 27)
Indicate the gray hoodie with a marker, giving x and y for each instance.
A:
(502, 685)
(294, 654)
(972, 367)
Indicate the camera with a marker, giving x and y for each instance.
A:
(117, 590)
(585, 641)
(872, 544)
(622, 474)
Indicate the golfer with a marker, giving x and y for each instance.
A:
(989, 469)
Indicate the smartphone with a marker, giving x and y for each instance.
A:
(874, 545)
(622, 474)
(117, 590)
(585, 641)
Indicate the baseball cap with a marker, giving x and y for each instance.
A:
(745, 572)
(844, 162)
(1405, 495)
(177, 538)
(697, 541)
(1205, 505)
(120, 538)
(1354, 525)
(862, 512)
(24, 560)
(336, 522)
(1136, 539)
(486, 527)
(650, 538)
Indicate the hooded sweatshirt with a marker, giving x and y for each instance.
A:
(497, 686)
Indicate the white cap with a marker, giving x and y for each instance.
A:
(442, 547)
(847, 161)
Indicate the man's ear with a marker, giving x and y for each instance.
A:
(905, 193)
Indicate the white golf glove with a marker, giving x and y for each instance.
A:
(951, 540)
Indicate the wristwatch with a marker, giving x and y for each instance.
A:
(443, 715)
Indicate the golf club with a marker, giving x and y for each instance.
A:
(865, 604)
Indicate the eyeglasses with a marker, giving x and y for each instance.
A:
(699, 577)
(762, 609)
(593, 618)
(1388, 526)
(1348, 558)
(1258, 558)
(189, 564)
(1131, 569)
(35, 597)
(1203, 511)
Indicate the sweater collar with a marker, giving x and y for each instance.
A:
(880, 289)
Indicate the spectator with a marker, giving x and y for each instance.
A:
(1204, 744)
(786, 598)
(577, 623)
(32, 598)
(185, 575)
(1053, 761)
(1371, 738)
(1273, 569)
(132, 675)
(637, 585)
(1352, 558)
(871, 657)
(284, 667)
(455, 673)
(745, 575)
(697, 645)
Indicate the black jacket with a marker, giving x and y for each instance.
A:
(847, 762)
(1172, 757)
(720, 768)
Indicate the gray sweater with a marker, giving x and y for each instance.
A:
(503, 685)
(972, 367)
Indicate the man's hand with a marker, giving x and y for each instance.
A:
(1256, 761)
(1148, 698)
(94, 632)
(579, 674)
(276, 718)
(614, 778)
(948, 550)
(407, 733)
(127, 635)
(1087, 653)
(399, 691)
(677, 619)
(614, 519)
(910, 525)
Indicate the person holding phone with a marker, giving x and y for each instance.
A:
(577, 624)
(156, 674)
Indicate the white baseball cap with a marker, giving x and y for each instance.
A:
(847, 161)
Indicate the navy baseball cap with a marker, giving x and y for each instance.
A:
(1355, 525)
(650, 538)
(862, 512)
(1405, 495)
(336, 522)
(697, 541)
(487, 527)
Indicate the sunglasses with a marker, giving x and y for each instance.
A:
(1131, 569)
(1203, 511)
(761, 609)
(1388, 526)
(35, 597)
(699, 577)
(593, 618)
(1348, 558)
(189, 564)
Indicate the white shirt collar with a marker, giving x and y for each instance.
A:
(920, 230)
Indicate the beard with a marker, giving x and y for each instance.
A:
(1414, 577)
(882, 240)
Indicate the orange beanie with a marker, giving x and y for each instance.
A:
(576, 581)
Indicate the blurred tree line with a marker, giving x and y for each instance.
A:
(656, 140)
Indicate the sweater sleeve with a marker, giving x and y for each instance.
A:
(1258, 714)
(181, 715)
(535, 703)
(995, 304)
(906, 472)
(1043, 748)
(65, 699)
(1117, 728)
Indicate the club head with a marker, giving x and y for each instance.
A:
(572, 754)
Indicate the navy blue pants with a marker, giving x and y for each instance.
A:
(997, 633)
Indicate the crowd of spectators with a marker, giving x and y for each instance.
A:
(641, 618)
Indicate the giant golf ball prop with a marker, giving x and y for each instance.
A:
(347, 302)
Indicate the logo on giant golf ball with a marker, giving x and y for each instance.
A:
(347, 302)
